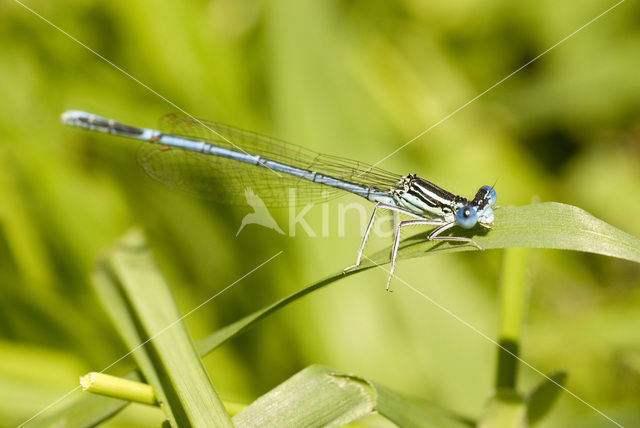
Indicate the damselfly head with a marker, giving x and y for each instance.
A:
(485, 196)
(483, 202)
(491, 196)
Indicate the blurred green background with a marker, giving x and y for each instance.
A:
(353, 78)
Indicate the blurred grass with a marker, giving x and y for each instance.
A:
(356, 79)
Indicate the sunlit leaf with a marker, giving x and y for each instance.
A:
(320, 397)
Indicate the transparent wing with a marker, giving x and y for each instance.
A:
(226, 180)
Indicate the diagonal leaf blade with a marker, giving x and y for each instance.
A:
(144, 312)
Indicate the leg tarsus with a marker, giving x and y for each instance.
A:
(396, 242)
(434, 236)
(378, 206)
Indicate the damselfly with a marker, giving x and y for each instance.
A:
(220, 162)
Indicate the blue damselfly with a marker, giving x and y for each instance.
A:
(219, 162)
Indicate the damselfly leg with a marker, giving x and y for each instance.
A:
(378, 206)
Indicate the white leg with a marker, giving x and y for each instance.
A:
(368, 229)
(396, 241)
(364, 241)
(433, 236)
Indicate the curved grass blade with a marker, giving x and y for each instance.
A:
(321, 397)
(220, 336)
(545, 225)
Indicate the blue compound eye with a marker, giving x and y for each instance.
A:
(492, 196)
(466, 217)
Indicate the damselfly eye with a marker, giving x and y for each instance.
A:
(491, 196)
(466, 217)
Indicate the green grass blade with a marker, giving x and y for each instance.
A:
(217, 338)
(314, 397)
(545, 225)
(109, 288)
(408, 412)
(320, 397)
(141, 306)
